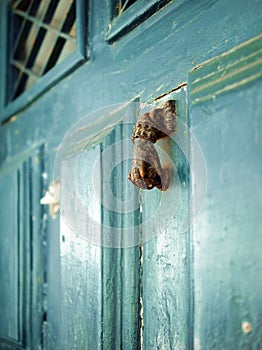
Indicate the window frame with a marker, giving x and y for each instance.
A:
(52, 77)
(132, 17)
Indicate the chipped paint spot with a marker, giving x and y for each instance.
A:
(9, 120)
(160, 87)
(51, 198)
(246, 327)
(197, 344)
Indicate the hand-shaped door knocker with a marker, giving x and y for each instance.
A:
(146, 171)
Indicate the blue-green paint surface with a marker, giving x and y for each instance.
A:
(227, 242)
(181, 291)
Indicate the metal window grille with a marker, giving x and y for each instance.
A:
(41, 34)
(122, 5)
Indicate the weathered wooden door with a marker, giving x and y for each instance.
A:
(119, 267)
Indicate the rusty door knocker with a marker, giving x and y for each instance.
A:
(146, 171)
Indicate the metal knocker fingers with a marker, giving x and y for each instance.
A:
(146, 171)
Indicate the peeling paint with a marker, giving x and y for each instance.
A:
(246, 327)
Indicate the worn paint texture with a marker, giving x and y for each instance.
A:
(227, 243)
(196, 288)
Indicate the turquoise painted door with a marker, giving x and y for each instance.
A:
(226, 93)
(119, 267)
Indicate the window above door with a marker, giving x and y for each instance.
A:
(128, 14)
(45, 40)
(41, 35)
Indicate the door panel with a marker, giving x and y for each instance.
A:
(100, 279)
(10, 259)
(166, 236)
(129, 244)
(80, 259)
(225, 114)
(21, 261)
